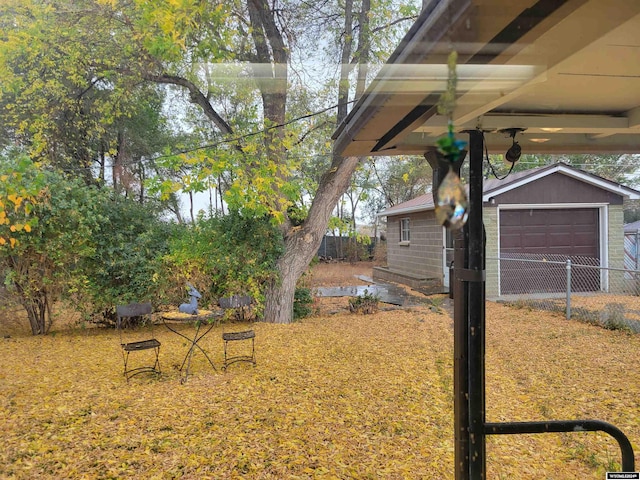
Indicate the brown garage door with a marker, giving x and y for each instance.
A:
(552, 234)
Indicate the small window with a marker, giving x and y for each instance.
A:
(404, 230)
(448, 238)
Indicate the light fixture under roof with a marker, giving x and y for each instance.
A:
(513, 154)
(539, 140)
(551, 129)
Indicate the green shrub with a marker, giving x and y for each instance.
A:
(366, 303)
(225, 255)
(302, 302)
(126, 262)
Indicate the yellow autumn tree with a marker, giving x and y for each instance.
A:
(21, 183)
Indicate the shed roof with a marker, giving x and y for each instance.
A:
(417, 204)
(494, 187)
(632, 227)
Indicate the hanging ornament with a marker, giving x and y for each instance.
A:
(451, 206)
(451, 199)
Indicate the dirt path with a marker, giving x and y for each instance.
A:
(340, 274)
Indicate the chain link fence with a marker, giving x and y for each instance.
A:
(632, 250)
(576, 286)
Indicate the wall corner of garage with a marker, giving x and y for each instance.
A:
(615, 243)
(615, 236)
(490, 216)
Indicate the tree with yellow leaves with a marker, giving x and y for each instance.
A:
(45, 228)
(21, 183)
(78, 63)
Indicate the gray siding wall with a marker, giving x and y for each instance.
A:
(616, 247)
(490, 218)
(422, 256)
(616, 236)
(558, 188)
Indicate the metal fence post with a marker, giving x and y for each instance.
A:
(636, 280)
(637, 248)
(568, 289)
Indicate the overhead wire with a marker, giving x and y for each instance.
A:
(237, 138)
(233, 139)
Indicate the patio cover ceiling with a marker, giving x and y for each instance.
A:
(566, 71)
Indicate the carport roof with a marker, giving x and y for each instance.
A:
(565, 71)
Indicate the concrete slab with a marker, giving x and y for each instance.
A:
(387, 293)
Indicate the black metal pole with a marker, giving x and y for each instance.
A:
(468, 285)
(440, 167)
(476, 310)
(460, 359)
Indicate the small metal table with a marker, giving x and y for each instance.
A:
(204, 322)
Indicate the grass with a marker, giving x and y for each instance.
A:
(340, 396)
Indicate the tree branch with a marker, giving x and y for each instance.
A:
(411, 18)
(196, 95)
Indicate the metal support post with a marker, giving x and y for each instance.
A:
(460, 359)
(476, 310)
(568, 288)
(468, 283)
(440, 167)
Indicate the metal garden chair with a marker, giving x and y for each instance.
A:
(240, 305)
(129, 345)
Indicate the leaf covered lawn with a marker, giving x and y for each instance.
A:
(337, 397)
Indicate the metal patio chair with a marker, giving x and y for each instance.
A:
(140, 343)
(240, 306)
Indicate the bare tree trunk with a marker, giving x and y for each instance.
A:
(172, 202)
(37, 309)
(193, 218)
(364, 47)
(220, 195)
(174, 206)
(271, 50)
(210, 199)
(142, 179)
(103, 161)
(345, 61)
(302, 244)
(116, 169)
